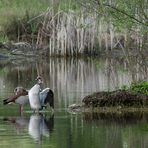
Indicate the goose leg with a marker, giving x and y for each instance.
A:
(21, 109)
(37, 112)
(52, 110)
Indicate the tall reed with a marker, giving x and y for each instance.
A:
(73, 33)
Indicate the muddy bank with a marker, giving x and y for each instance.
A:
(118, 98)
(25, 49)
(19, 48)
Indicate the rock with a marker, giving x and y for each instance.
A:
(75, 108)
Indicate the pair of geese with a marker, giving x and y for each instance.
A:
(35, 97)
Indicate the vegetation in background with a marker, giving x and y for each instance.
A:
(76, 27)
(16, 13)
(141, 87)
(137, 87)
(126, 16)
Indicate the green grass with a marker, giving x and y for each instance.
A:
(14, 14)
(18, 9)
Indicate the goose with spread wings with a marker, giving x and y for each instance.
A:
(39, 99)
(35, 97)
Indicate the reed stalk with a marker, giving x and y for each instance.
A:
(68, 33)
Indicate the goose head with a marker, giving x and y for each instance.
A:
(19, 90)
(39, 80)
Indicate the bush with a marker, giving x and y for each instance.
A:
(141, 87)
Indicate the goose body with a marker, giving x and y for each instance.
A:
(20, 97)
(22, 100)
(38, 99)
(34, 97)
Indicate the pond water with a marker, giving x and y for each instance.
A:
(71, 80)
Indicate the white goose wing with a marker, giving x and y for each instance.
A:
(34, 97)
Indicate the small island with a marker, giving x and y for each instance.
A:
(132, 98)
(135, 96)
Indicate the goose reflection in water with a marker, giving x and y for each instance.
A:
(37, 126)
(20, 123)
(40, 126)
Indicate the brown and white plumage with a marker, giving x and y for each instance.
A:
(20, 97)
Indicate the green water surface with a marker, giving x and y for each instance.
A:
(70, 80)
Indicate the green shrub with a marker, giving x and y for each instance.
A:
(140, 87)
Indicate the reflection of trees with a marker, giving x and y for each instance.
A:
(72, 79)
(89, 135)
(118, 129)
(138, 68)
(135, 67)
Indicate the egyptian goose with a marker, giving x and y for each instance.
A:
(34, 95)
(39, 99)
(20, 97)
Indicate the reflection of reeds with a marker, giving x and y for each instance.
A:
(72, 79)
(86, 76)
(129, 117)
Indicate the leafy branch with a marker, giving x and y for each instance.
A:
(93, 5)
